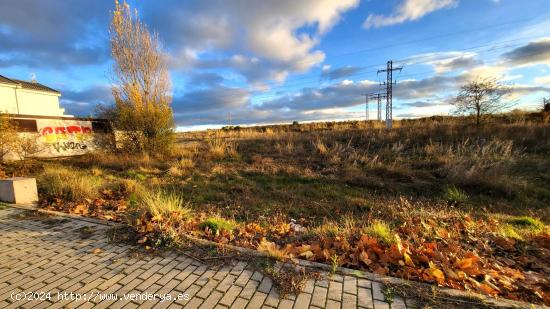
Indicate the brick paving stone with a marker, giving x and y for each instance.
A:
(398, 303)
(244, 277)
(381, 305)
(239, 303)
(257, 300)
(226, 283)
(205, 277)
(335, 290)
(302, 301)
(186, 283)
(364, 283)
(238, 268)
(322, 283)
(207, 288)
(249, 289)
(350, 285)
(349, 301)
(309, 285)
(332, 304)
(257, 276)
(319, 296)
(364, 298)
(273, 298)
(231, 295)
(285, 304)
(212, 300)
(265, 285)
(377, 291)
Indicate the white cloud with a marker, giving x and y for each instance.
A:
(535, 52)
(446, 61)
(543, 80)
(409, 10)
(282, 35)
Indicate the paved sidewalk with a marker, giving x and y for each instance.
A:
(50, 256)
(38, 256)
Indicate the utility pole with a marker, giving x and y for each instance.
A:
(366, 107)
(379, 108)
(378, 97)
(389, 89)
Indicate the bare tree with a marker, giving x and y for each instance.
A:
(481, 97)
(546, 104)
(142, 88)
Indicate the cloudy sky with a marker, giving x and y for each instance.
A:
(274, 61)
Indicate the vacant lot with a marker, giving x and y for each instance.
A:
(437, 200)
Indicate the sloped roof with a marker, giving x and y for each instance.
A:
(5, 80)
(27, 85)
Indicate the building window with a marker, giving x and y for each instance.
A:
(25, 125)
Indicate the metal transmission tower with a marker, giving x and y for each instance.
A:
(389, 88)
(366, 106)
(378, 97)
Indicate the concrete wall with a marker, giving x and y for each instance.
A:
(65, 137)
(60, 137)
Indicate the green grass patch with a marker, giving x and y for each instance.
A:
(216, 225)
(527, 223)
(455, 196)
(381, 231)
(508, 231)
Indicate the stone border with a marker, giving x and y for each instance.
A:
(502, 302)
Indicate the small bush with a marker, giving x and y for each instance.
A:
(165, 205)
(381, 231)
(216, 225)
(455, 196)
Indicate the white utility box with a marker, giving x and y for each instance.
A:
(18, 190)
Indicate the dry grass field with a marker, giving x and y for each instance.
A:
(437, 200)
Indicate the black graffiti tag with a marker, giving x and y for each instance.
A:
(68, 146)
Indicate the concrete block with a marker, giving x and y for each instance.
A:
(18, 190)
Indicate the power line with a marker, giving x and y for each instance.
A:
(309, 80)
(287, 85)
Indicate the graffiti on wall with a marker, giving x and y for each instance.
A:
(70, 137)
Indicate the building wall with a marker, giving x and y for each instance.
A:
(7, 100)
(38, 103)
(29, 102)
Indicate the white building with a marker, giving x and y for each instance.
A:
(28, 98)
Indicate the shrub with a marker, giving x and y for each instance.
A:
(381, 231)
(217, 224)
